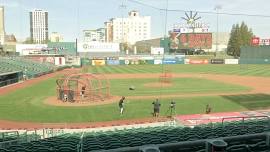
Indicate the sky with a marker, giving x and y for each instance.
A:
(71, 17)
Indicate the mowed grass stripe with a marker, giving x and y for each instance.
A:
(126, 69)
(27, 104)
(106, 69)
(135, 69)
(252, 70)
(121, 87)
(121, 69)
(32, 108)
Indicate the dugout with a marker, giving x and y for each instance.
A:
(255, 55)
(10, 78)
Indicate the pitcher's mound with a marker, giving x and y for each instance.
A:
(157, 85)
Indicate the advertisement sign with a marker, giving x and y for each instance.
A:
(113, 62)
(71, 60)
(98, 62)
(149, 61)
(28, 49)
(42, 59)
(60, 61)
(180, 60)
(255, 41)
(217, 61)
(196, 40)
(157, 50)
(190, 40)
(122, 62)
(136, 58)
(146, 58)
(188, 27)
(231, 61)
(127, 62)
(196, 61)
(157, 61)
(98, 47)
(185, 27)
(169, 61)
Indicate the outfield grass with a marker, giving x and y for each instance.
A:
(31, 108)
(27, 104)
(179, 86)
(250, 70)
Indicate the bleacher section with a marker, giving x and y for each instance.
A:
(30, 68)
(250, 136)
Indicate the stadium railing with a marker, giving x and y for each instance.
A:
(237, 135)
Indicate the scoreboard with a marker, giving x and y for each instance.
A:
(195, 40)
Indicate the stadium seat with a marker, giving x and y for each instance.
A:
(151, 136)
(237, 148)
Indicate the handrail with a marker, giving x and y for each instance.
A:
(244, 117)
(80, 144)
(198, 119)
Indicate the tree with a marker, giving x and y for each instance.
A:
(28, 41)
(239, 36)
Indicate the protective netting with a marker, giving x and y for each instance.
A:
(83, 87)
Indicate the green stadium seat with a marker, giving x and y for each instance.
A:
(4, 150)
(237, 148)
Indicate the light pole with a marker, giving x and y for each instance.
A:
(217, 8)
(122, 7)
(166, 19)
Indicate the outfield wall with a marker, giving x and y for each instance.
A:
(148, 59)
(255, 55)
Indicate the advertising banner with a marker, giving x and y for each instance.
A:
(150, 61)
(127, 62)
(146, 58)
(196, 61)
(42, 59)
(76, 61)
(157, 50)
(180, 60)
(60, 61)
(190, 40)
(231, 61)
(98, 62)
(85, 61)
(128, 58)
(157, 61)
(98, 47)
(196, 40)
(28, 49)
(217, 61)
(113, 62)
(122, 62)
(136, 62)
(169, 61)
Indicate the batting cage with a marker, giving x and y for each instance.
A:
(83, 87)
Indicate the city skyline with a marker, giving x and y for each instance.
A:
(2, 25)
(39, 26)
(78, 15)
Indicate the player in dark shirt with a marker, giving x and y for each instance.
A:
(121, 105)
(208, 109)
(156, 108)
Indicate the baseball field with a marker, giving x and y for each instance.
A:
(224, 87)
